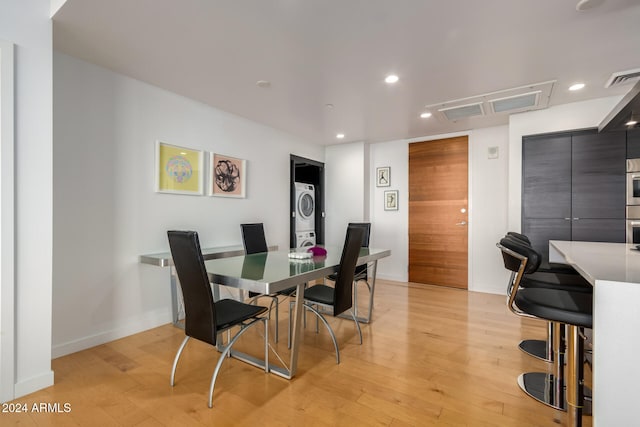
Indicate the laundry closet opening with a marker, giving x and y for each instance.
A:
(306, 202)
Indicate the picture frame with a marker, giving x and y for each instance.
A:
(227, 176)
(391, 200)
(178, 170)
(383, 176)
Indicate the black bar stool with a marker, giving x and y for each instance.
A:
(561, 278)
(570, 308)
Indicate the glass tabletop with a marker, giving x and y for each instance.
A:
(271, 272)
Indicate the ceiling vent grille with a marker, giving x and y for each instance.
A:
(504, 102)
(515, 102)
(462, 111)
(623, 77)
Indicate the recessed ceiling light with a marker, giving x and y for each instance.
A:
(576, 86)
(329, 106)
(263, 83)
(632, 122)
(425, 115)
(340, 135)
(391, 78)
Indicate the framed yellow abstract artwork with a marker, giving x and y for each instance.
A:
(179, 170)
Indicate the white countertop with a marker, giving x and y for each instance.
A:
(616, 262)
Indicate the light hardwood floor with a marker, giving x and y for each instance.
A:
(431, 356)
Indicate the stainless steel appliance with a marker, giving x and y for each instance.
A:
(633, 201)
(633, 182)
(633, 224)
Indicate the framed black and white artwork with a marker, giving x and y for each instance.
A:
(383, 176)
(391, 200)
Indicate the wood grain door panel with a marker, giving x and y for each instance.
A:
(438, 191)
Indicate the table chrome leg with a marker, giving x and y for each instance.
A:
(175, 313)
(297, 329)
(374, 271)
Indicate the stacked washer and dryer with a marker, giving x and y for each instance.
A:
(305, 215)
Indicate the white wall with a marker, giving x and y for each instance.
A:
(346, 189)
(27, 25)
(578, 115)
(390, 228)
(106, 212)
(488, 188)
(487, 207)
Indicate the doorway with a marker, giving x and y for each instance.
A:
(438, 212)
(311, 172)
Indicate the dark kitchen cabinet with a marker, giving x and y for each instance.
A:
(598, 175)
(633, 143)
(546, 176)
(573, 188)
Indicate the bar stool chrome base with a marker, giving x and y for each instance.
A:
(544, 388)
(536, 348)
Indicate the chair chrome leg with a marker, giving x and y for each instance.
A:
(355, 319)
(266, 344)
(355, 297)
(225, 353)
(290, 326)
(175, 360)
(326, 324)
(275, 301)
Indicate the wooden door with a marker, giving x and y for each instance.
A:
(438, 197)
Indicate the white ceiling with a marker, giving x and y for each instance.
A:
(319, 52)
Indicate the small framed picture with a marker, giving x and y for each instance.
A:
(383, 176)
(391, 200)
(227, 176)
(179, 170)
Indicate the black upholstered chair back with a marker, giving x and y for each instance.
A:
(512, 263)
(361, 270)
(344, 280)
(519, 236)
(253, 238)
(200, 312)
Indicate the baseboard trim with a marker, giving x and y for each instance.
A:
(133, 326)
(33, 384)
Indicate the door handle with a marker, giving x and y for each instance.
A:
(462, 223)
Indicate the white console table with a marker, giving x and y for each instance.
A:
(613, 269)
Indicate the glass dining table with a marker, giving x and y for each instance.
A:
(270, 272)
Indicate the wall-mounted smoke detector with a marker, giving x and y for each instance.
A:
(509, 101)
(623, 77)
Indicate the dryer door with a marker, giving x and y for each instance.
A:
(305, 206)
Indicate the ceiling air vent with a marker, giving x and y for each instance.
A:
(500, 103)
(462, 111)
(623, 77)
(516, 102)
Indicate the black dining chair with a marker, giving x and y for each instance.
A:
(254, 242)
(361, 272)
(339, 298)
(204, 317)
